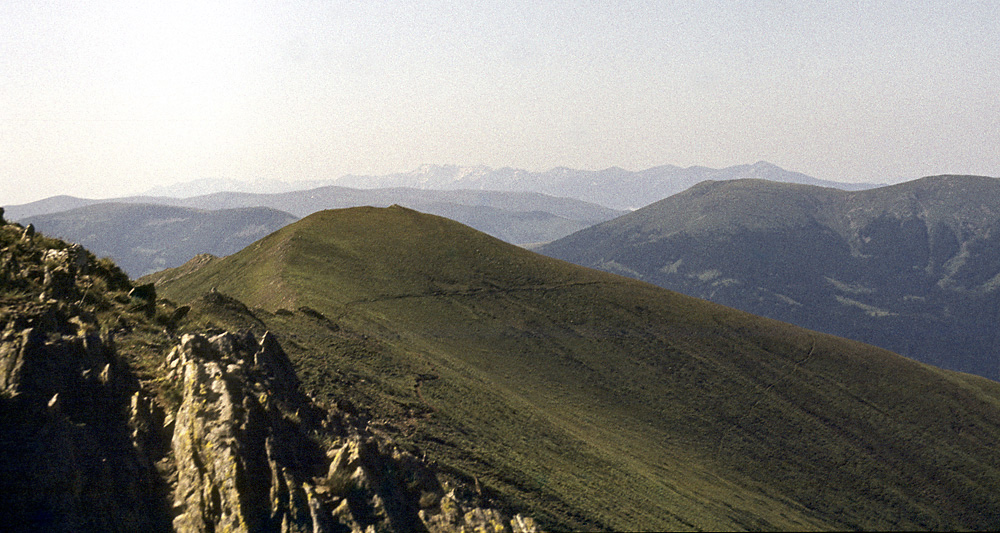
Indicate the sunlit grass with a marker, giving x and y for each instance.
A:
(596, 402)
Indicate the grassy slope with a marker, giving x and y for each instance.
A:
(595, 401)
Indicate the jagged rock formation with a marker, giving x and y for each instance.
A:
(245, 460)
(219, 438)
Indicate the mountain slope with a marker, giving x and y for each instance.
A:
(598, 402)
(119, 412)
(910, 267)
(52, 204)
(144, 238)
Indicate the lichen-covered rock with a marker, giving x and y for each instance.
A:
(74, 258)
(451, 516)
(230, 474)
(245, 450)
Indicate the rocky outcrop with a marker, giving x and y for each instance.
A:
(252, 453)
(67, 457)
(68, 461)
(86, 449)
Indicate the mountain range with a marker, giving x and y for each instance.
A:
(517, 206)
(306, 202)
(383, 368)
(206, 186)
(146, 234)
(913, 267)
(613, 187)
(145, 238)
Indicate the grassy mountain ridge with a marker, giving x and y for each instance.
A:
(910, 267)
(123, 412)
(597, 402)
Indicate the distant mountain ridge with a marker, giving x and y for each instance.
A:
(516, 217)
(145, 238)
(628, 189)
(613, 187)
(203, 186)
(914, 267)
(517, 206)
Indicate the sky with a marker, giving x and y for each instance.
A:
(102, 98)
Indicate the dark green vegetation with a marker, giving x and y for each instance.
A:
(145, 238)
(593, 401)
(914, 268)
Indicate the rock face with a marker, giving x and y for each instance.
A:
(218, 437)
(246, 462)
(68, 461)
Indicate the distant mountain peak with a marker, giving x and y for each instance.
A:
(442, 174)
(204, 186)
(765, 166)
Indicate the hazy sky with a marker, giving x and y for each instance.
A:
(101, 98)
